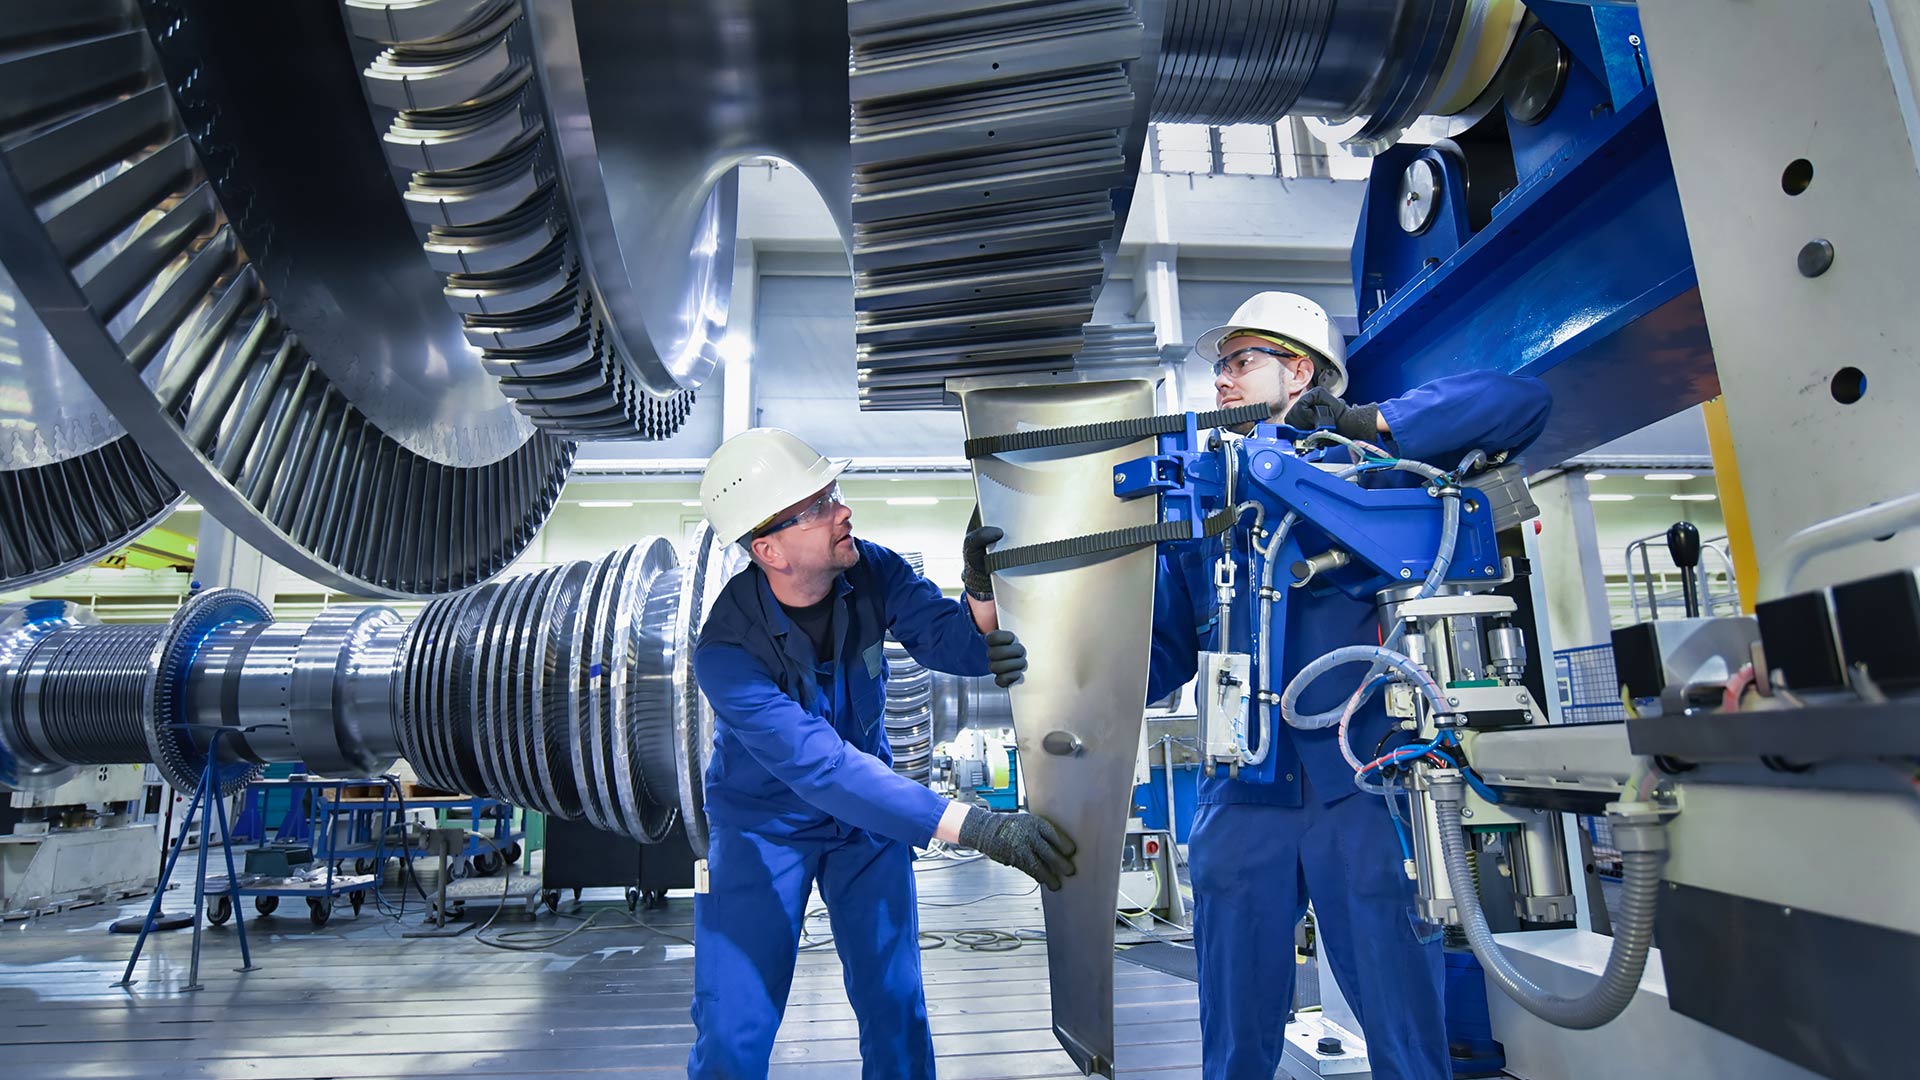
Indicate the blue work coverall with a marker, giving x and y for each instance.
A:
(1260, 850)
(801, 790)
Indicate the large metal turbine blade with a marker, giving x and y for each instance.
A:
(1086, 623)
(128, 248)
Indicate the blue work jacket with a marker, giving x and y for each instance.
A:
(1439, 423)
(800, 749)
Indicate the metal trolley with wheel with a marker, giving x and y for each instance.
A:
(307, 855)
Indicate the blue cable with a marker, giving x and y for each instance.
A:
(1400, 830)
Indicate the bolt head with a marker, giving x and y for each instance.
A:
(1468, 812)
(1406, 572)
(1816, 258)
(1119, 479)
(1634, 40)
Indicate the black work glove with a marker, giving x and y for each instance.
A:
(974, 576)
(1026, 842)
(1006, 658)
(1319, 408)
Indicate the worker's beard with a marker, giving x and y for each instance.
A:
(845, 556)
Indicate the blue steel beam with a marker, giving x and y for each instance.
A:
(1584, 278)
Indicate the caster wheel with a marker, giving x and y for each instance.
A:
(488, 864)
(363, 866)
(358, 900)
(657, 900)
(318, 911)
(266, 905)
(219, 910)
(633, 900)
(576, 896)
(551, 898)
(514, 851)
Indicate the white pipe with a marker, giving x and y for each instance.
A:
(1850, 528)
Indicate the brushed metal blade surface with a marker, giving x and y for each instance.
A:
(1086, 623)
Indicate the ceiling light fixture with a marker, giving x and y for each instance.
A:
(1668, 476)
(1608, 497)
(606, 504)
(1702, 496)
(914, 500)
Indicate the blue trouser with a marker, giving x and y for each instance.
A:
(1254, 867)
(747, 933)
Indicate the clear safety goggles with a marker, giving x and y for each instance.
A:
(822, 507)
(1240, 361)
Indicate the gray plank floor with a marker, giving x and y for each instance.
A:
(357, 1000)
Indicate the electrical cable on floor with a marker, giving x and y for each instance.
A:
(539, 940)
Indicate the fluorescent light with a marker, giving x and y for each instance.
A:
(1596, 475)
(1668, 476)
(189, 508)
(1700, 497)
(606, 504)
(1608, 496)
(916, 500)
(689, 502)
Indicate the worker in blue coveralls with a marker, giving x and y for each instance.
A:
(801, 788)
(1259, 851)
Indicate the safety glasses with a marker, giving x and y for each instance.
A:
(811, 514)
(1240, 361)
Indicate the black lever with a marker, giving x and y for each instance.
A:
(1683, 543)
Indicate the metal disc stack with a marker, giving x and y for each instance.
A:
(909, 715)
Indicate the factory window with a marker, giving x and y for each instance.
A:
(1288, 149)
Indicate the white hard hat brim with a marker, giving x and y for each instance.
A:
(815, 479)
(1207, 349)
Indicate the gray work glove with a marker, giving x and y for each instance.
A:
(974, 576)
(1006, 658)
(1318, 408)
(1026, 842)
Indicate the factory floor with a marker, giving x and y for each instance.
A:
(357, 1000)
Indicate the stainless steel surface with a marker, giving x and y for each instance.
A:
(1539, 857)
(567, 690)
(611, 1002)
(120, 240)
(73, 486)
(711, 563)
(1086, 626)
(1256, 61)
(993, 145)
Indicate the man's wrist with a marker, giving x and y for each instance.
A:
(951, 821)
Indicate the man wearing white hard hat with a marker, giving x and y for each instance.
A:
(1259, 851)
(801, 789)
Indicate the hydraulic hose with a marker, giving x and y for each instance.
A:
(1264, 629)
(1380, 656)
(1442, 563)
(1643, 852)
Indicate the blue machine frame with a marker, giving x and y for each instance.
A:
(1583, 275)
(1391, 534)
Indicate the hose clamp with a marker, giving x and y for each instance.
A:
(1637, 827)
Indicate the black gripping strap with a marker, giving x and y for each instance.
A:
(1111, 430)
(1099, 543)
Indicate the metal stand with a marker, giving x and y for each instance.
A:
(208, 792)
(444, 842)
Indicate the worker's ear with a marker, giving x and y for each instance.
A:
(767, 551)
(1299, 376)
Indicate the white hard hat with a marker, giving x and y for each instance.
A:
(758, 473)
(1292, 318)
